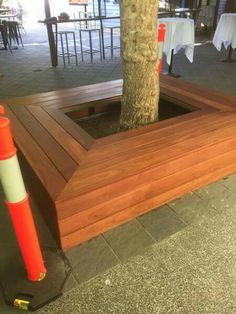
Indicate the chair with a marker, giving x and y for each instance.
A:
(91, 50)
(3, 32)
(14, 33)
(64, 43)
(111, 46)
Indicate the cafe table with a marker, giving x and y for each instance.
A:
(226, 34)
(179, 35)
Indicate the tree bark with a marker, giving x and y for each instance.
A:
(139, 104)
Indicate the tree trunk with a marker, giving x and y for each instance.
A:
(139, 104)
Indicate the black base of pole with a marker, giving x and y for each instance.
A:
(27, 295)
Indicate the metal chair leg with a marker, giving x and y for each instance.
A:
(111, 33)
(18, 29)
(63, 52)
(91, 46)
(81, 46)
(5, 39)
(10, 35)
(100, 43)
(67, 48)
(75, 50)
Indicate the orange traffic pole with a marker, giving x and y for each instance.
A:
(160, 39)
(17, 201)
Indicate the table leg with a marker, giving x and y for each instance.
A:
(102, 35)
(171, 65)
(56, 42)
(52, 46)
(51, 39)
(229, 55)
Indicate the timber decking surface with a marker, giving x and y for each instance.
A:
(95, 185)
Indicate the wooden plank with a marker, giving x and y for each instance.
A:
(80, 91)
(85, 140)
(91, 203)
(152, 189)
(41, 196)
(68, 102)
(160, 137)
(70, 145)
(199, 89)
(158, 142)
(94, 178)
(197, 99)
(71, 93)
(110, 222)
(63, 162)
(123, 136)
(37, 159)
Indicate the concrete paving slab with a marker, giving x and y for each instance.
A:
(91, 258)
(229, 182)
(146, 284)
(191, 208)
(128, 240)
(217, 196)
(161, 223)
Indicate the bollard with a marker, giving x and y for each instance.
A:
(160, 39)
(17, 201)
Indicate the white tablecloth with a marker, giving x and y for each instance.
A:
(226, 31)
(179, 34)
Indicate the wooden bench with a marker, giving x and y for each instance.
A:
(85, 186)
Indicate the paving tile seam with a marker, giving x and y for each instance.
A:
(111, 248)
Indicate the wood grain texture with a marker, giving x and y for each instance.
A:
(100, 199)
(55, 152)
(94, 185)
(65, 140)
(84, 234)
(42, 166)
(119, 168)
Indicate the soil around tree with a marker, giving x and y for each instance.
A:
(107, 122)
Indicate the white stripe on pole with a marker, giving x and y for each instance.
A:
(12, 181)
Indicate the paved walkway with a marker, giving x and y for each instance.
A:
(178, 259)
